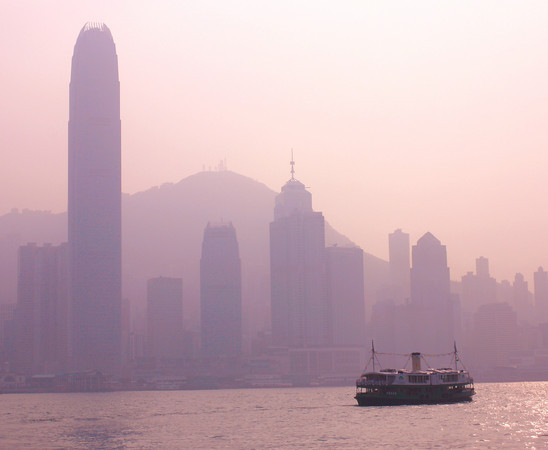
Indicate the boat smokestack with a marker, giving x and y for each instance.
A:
(416, 361)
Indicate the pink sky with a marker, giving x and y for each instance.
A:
(424, 115)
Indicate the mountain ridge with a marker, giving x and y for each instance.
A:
(162, 235)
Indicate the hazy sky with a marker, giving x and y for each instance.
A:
(420, 115)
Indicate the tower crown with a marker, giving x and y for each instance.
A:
(95, 31)
(99, 26)
(428, 239)
(293, 198)
(94, 84)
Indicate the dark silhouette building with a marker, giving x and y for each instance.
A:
(165, 318)
(299, 304)
(221, 292)
(94, 201)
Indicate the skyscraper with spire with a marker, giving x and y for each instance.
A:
(94, 201)
(299, 303)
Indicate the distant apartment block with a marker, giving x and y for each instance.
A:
(399, 266)
(495, 334)
(346, 295)
(42, 339)
(479, 288)
(541, 295)
(522, 299)
(165, 318)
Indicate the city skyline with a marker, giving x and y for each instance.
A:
(307, 304)
(219, 312)
(392, 324)
(431, 114)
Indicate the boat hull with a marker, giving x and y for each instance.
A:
(419, 397)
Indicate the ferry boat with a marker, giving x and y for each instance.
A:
(415, 386)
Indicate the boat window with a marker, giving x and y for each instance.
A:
(375, 377)
(449, 377)
(418, 378)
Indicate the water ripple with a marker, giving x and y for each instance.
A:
(513, 415)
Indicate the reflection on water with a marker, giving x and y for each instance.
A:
(501, 415)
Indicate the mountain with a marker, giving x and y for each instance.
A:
(163, 231)
(162, 236)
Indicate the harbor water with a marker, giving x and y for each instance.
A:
(502, 415)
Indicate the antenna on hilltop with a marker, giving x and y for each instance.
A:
(292, 163)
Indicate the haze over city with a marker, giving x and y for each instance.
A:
(273, 210)
(425, 116)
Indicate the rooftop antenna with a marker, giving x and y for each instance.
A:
(292, 163)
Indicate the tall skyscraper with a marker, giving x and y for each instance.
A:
(399, 265)
(346, 295)
(94, 201)
(431, 301)
(221, 292)
(299, 304)
(165, 318)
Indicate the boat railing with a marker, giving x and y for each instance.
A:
(365, 382)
